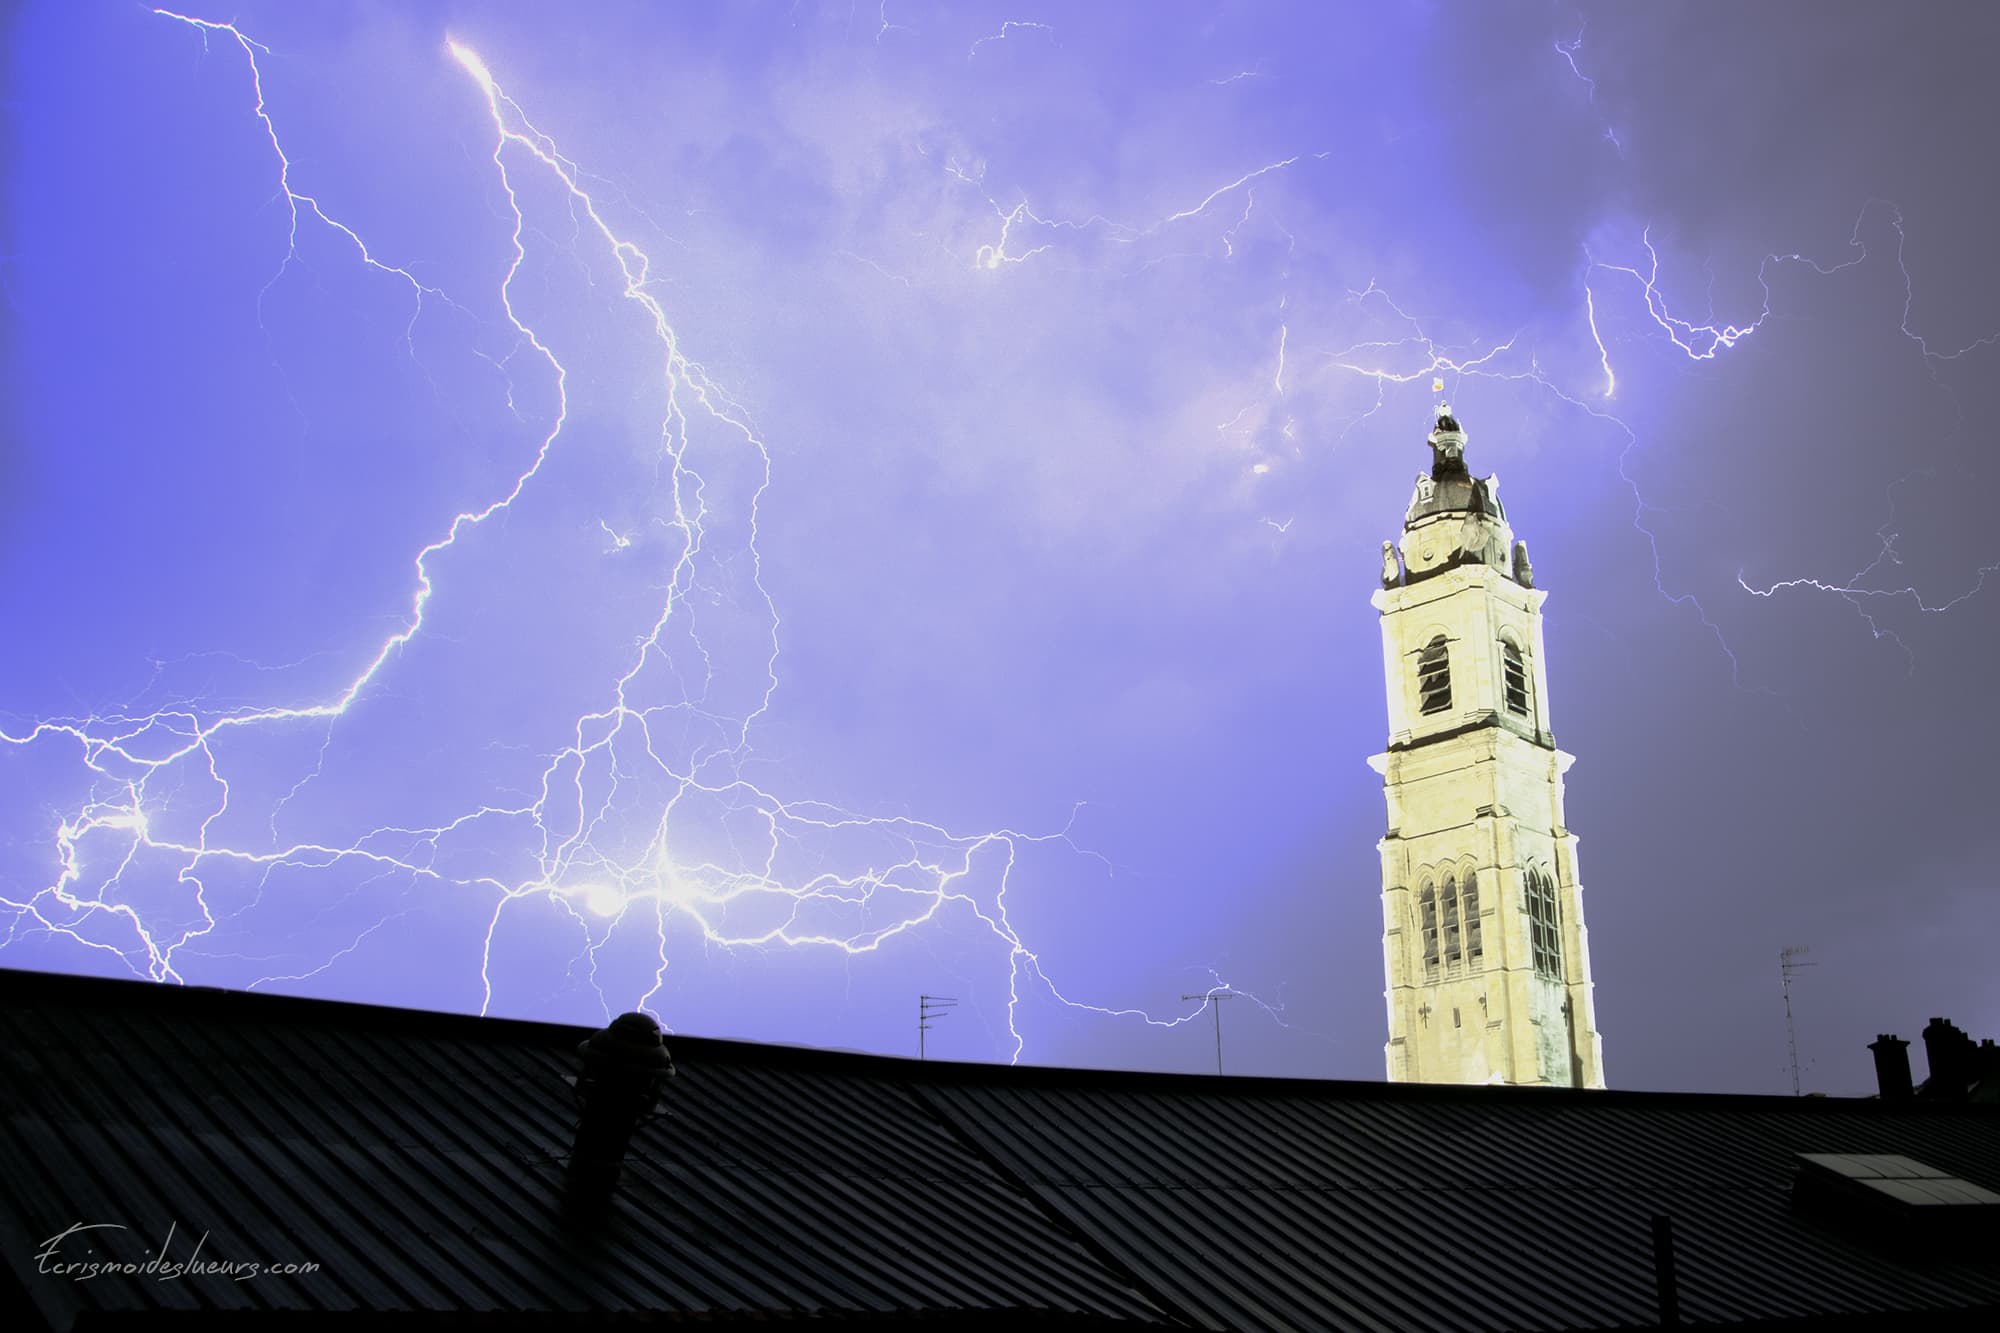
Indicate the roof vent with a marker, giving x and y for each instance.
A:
(624, 1067)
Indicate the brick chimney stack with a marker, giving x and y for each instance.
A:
(1951, 1055)
(1892, 1066)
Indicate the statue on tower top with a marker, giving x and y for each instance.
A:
(1447, 441)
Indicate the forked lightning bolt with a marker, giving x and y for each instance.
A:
(1417, 355)
(626, 827)
(1705, 340)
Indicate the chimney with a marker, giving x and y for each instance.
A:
(1949, 1052)
(624, 1068)
(1892, 1066)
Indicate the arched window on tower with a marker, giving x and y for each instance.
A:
(1449, 904)
(1427, 907)
(1434, 678)
(1469, 897)
(1513, 679)
(1544, 925)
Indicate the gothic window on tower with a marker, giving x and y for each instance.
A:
(1544, 930)
(1452, 953)
(1434, 678)
(1514, 682)
(1428, 907)
(1469, 896)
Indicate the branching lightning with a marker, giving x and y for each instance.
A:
(882, 15)
(995, 254)
(1417, 355)
(1008, 28)
(1855, 590)
(643, 821)
(1567, 50)
(1706, 340)
(1257, 71)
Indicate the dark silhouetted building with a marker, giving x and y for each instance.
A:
(300, 1163)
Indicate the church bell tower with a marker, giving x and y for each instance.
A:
(1483, 943)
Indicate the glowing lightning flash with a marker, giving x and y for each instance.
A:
(622, 826)
(643, 816)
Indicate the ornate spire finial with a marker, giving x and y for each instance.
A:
(1447, 441)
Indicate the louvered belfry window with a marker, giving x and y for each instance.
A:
(1514, 678)
(1427, 905)
(1544, 927)
(1434, 678)
(1452, 952)
(1469, 894)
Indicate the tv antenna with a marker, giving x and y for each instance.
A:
(929, 1007)
(1788, 964)
(1212, 997)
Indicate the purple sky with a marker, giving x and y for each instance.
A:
(932, 552)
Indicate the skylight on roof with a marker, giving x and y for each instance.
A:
(1903, 1179)
(1897, 1203)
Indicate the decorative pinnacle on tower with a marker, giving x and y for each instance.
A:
(1447, 443)
(1454, 518)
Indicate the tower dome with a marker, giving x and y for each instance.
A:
(1454, 518)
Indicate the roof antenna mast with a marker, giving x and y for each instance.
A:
(1786, 966)
(929, 1007)
(1213, 998)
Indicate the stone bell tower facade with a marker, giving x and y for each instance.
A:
(1483, 943)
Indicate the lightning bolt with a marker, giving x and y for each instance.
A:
(1424, 357)
(1855, 590)
(995, 254)
(882, 16)
(1707, 340)
(1567, 50)
(1008, 28)
(643, 818)
(1256, 72)
(1416, 355)
(296, 201)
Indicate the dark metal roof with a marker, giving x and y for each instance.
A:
(1312, 1207)
(418, 1160)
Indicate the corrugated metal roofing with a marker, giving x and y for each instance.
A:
(1274, 1206)
(418, 1160)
